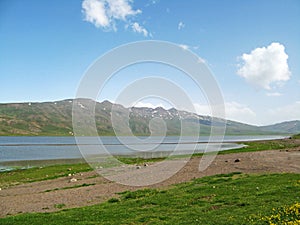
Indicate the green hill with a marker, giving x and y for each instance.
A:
(55, 119)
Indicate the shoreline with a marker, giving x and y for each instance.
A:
(8, 166)
(25, 164)
(29, 162)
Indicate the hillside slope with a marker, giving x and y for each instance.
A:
(55, 118)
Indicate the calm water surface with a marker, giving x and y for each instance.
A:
(55, 148)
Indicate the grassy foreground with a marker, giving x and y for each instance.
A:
(222, 199)
(19, 176)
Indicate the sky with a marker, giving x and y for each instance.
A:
(251, 47)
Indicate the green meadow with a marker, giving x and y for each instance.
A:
(222, 199)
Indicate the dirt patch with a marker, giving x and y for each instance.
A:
(88, 189)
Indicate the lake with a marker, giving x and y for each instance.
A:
(16, 149)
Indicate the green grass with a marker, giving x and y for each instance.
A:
(222, 199)
(287, 215)
(60, 206)
(71, 187)
(296, 136)
(139, 161)
(262, 146)
(254, 146)
(38, 174)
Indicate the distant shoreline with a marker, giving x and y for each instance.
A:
(28, 163)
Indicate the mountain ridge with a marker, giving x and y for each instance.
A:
(55, 119)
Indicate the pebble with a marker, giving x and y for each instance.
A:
(73, 180)
(237, 160)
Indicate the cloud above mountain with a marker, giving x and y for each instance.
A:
(285, 113)
(137, 28)
(265, 67)
(106, 14)
(233, 111)
(181, 25)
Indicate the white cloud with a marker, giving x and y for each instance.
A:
(201, 60)
(265, 66)
(136, 27)
(239, 112)
(148, 105)
(233, 111)
(181, 25)
(243, 113)
(105, 13)
(95, 12)
(120, 9)
(188, 47)
(184, 47)
(151, 2)
(274, 94)
(202, 109)
(285, 113)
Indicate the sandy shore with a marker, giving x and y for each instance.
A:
(41, 196)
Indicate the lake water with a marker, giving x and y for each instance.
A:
(14, 149)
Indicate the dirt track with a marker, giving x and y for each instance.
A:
(41, 196)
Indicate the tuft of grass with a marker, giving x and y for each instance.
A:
(92, 177)
(113, 200)
(221, 199)
(296, 136)
(71, 187)
(60, 206)
(138, 160)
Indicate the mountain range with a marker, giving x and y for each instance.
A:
(55, 119)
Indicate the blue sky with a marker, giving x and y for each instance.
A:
(251, 46)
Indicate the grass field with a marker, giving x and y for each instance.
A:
(38, 174)
(254, 146)
(222, 199)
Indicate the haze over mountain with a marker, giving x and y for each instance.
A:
(55, 119)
